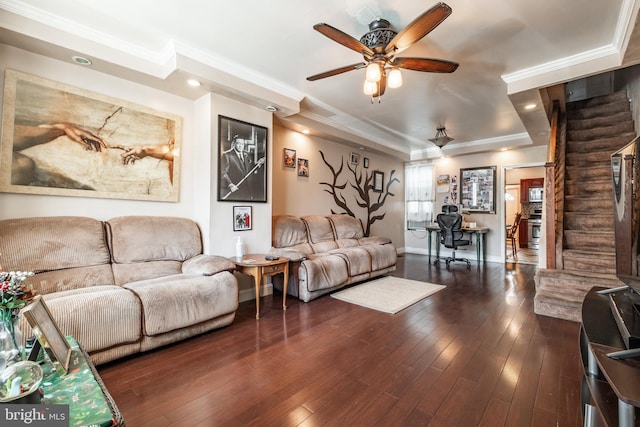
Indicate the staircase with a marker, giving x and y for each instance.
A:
(595, 128)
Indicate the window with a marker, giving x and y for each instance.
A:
(419, 195)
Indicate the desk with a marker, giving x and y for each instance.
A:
(478, 232)
(257, 266)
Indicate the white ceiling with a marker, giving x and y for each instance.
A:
(262, 51)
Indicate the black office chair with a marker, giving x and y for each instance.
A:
(451, 235)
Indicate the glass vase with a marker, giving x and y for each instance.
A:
(10, 339)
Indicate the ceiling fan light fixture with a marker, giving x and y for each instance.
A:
(374, 74)
(370, 87)
(395, 78)
(441, 139)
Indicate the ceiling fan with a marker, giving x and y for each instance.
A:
(380, 46)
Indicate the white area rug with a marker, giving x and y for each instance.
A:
(388, 294)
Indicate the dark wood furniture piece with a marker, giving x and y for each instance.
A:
(610, 388)
(511, 230)
(526, 184)
(523, 233)
(257, 266)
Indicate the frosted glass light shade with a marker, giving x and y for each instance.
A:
(373, 72)
(395, 79)
(369, 87)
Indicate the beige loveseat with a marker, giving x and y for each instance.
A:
(125, 285)
(327, 253)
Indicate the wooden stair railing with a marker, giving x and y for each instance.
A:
(554, 190)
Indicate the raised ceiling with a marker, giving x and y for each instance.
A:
(261, 52)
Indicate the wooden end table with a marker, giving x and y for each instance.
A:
(257, 266)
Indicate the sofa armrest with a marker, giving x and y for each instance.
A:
(288, 253)
(207, 265)
(374, 240)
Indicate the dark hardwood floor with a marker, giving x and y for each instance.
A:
(472, 354)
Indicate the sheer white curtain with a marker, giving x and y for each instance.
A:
(419, 194)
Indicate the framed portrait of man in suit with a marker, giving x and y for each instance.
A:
(242, 161)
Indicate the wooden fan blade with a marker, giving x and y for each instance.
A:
(426, 64)
(343, 38)
(418, 28)
(337, 71)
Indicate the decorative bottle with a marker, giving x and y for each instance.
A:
(239, 251)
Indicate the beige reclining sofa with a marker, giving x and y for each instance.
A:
(328, 253)
(125, 285)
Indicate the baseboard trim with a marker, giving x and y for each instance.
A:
(250, 294)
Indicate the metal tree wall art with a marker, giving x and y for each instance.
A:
(366, 197)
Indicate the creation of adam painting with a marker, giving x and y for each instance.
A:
(62, 140)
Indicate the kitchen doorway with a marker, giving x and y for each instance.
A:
(521, 184)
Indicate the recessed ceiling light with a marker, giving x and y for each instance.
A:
(271, 108)
(530, 106)
(305, 131)
(81, 60)
(194, 83)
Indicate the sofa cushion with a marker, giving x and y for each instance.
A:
(347, 243)
(357, 258)
(288, 230)
(323, 272)
(71, 278)
(148, 238)
(382, 256)
(98, 317)
(62, 243)
(320, 233)
(346, 226)
(207, 265)
(181, 300)
(319, 228)
(374, 240)
(133, 272)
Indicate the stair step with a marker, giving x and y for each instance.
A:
(558, 308)
(597, 262)
(596, 158)
(599, 132)
(582, 124)
(587, 187)
(588, 221)
(583, 173)
(599, 110)
(619, 96)
(588, 204)
(611, 144)
(559, 293)
(590, 240)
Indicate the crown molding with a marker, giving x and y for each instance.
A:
(585, 63)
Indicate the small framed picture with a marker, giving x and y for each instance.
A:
(355, 158)
(242, 218)
(365, 163)
(48, 334)
(289, 158)
(303, 167)
(378, 181)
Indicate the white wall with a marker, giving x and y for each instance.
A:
(26, 205)
(198, 161)
(416, 241)
(296, 195)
